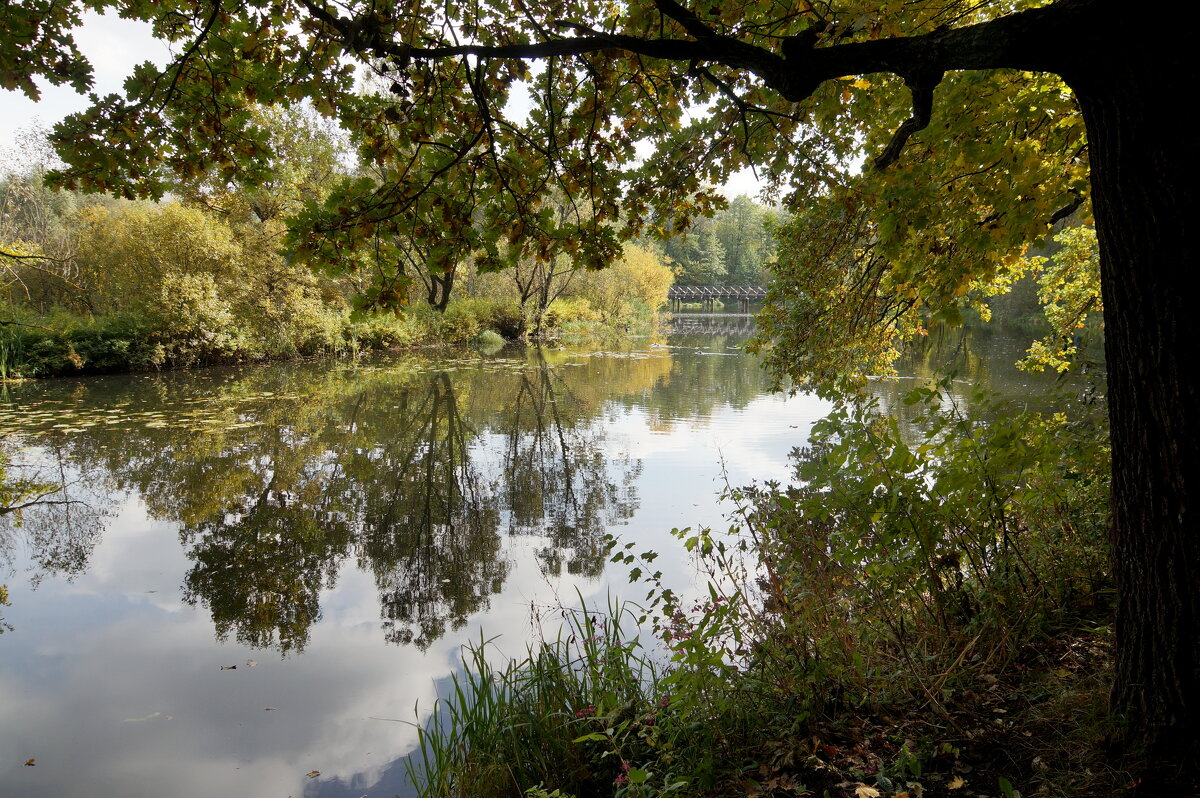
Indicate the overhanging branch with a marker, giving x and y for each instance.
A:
(4, 253)
(688, 19)
(1065, 211)
(922, 98)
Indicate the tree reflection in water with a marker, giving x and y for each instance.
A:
(278, 476)
(51, 508)
(431, 519)
(557, 479)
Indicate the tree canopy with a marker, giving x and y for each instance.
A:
(924, 144)
(449, 137)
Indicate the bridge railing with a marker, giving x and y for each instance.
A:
(701, 292)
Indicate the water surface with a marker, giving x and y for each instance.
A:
(246, 579)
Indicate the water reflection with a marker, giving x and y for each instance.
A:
(49, 509)
(316, 516)
(277, 477)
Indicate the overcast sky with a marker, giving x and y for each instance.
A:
(115, 46)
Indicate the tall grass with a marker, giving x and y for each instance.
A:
(574, 713)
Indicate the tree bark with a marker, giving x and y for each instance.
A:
(1143, 160)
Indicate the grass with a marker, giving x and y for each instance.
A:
(574, 712)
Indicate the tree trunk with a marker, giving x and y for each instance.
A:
(438, 288)
(1143, 159)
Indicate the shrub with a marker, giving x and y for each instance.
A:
(571, 310)
(489, 341)
(193, 323)
(639, 276)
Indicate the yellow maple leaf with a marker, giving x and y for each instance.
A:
(864, 791)
(956, 783)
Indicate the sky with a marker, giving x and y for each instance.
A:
(114, 46)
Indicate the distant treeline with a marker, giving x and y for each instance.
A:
(734, 247)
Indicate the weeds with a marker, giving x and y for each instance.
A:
(915, 602)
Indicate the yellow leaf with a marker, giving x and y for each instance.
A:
(956, 783)
(312, 774)
(861, 83)
(863, 791)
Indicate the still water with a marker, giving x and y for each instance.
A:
(253, 581)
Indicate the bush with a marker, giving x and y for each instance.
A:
(120, 342)
(640, 277)
(193, 323)
(379, 331)
(571, 310)
(489, 341)
(501, 315)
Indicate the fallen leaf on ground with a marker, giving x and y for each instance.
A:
(865, 791)
(956, 783)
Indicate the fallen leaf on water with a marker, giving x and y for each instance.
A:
(30, 762)
(250, 663)
(312, 774)
(229, 667)
(956, 783)
(863, 791)
(138, 720)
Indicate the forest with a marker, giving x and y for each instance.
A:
(989, 599)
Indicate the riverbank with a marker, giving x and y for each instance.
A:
(65, 344)
(924, 611)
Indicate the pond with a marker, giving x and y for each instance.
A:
(253, 581)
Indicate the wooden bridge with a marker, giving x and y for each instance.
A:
(707, 295)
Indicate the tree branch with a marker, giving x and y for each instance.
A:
(12, 323)
(1028, 40)
(922, 97)
(1068, 209)
(688, 19)
(15, 256)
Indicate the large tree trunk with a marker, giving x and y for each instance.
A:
(1144, 179)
